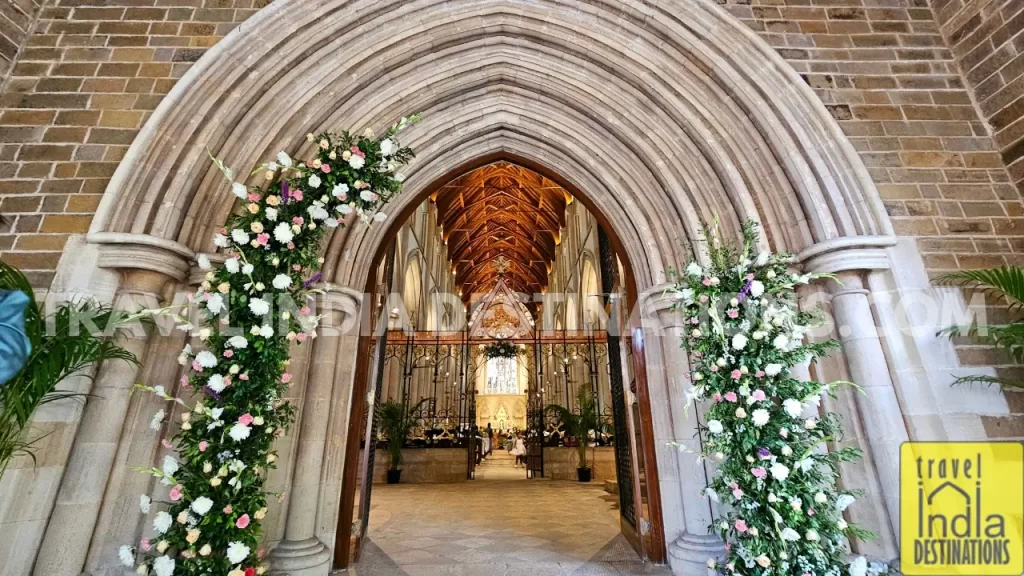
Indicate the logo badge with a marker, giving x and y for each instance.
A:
(961, 508)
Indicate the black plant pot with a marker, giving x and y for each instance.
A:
(583, 474)
(394, 476)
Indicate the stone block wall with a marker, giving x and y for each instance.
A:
(561, 463)
(17, 21)
(425, 465)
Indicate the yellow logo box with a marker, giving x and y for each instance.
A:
(961, 508)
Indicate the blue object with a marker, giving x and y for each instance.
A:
(14, 343)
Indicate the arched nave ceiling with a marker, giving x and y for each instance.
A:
(659, 114)
(501, 210)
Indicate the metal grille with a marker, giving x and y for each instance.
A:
(535, 438)
(623, 458)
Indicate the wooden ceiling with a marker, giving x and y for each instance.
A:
(501, 210)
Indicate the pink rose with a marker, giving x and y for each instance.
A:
(254, 197)
(175, 493)
(242, 522)
(810, 511)
(229, 353)
(758, 395)
(286, 377)
(291, 245)
(706, 282)
(203, 445)
(730, 396)
(184, 382)
(304, 310)
(740, 525)
(145, 545)
(297, 195)
(301, 337)
(188, 554)
(228, 509)
(736, 374)
(326, 168)
(243, 377)
(759, 472)
(734, 313)
(298, 220)
(245, 419)
(166, 443)
(263, 239)
(737, 493)
(703, 298)
(717, 397)
(197, 366)
(355, 150)
(759, 374)
(750, 276)
(714, 368)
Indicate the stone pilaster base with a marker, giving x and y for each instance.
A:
(690, 552)
(300, 558)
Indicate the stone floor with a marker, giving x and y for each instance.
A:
(497, 525)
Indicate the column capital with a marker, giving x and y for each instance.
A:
(847, 253)
(120, 251)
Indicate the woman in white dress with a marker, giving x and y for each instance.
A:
(519, 450)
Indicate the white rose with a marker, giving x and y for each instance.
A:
(710, 493)
(259, 306)
(163, 566)
(810, 423)
(201, 505)
(356, 161)
(820, 498)
(283, 159)
(238, 342)
(760, 417)
(792, 407)
(859, 567)
(380, 217)
(811, 536)
(773, 369)
(239, 190)
(781, 342)
(779, 471)
(741, 413)
(216, 383)
(266, 331)
(841, 524)
(206, 359)
(695, 333)
(231, 265)
(215, 304)
(693, 269)
(843, 502)
(787, 451)
(314, 181)
(162, 522)
(271, 214)
(282, 281)
(756, 288)
(739, 342)
(247, 269)
(386, 147)
(237, 552)
(715, 427)
(283, 233)
(368, 196)
(720, 362)
(344, 209)
(790, 535)
(239, 432)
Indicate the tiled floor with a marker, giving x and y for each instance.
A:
(497, 525)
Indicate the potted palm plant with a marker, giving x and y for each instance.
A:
(578, 427)
(396, 421)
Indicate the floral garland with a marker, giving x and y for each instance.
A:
(785, 515)
(501, 349)
(211, 523)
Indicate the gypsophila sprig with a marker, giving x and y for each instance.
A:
(224, 448)
(763, 429)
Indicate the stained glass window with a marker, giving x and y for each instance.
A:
(502, 376)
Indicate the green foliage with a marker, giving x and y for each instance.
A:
(578, 425)
(395, 420)
(501, 349)
(66, 342)
(762, 429)
(1005, 282)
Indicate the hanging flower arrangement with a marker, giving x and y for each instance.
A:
(501, 349)
(763, 429)
(210, 523)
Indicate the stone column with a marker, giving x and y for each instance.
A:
(147, 268)
(849, 259)
(301, 553)
(686, 512)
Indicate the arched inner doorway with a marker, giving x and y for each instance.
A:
(532, 266)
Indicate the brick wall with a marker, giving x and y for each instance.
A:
(17, 18)
(984, 36)
(83, 85)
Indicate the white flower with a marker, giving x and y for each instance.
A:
(216, 383)
(843, 502)
(811, 535)
(314, 181)
(157, 420)
(317, 212)
(231, 265)
(773, 369)
(781, 342)
(344, 209)
(170, 465)
(790, 535)
(238, 342)
(206, 359)
(810, 423)
(237, 552)
(259, 306)
(266, 331)
(779, 471)
(694, 269)
(339, 190)
(859, 567)
(820, 498)
(215, 304)
(283, 233)
(756, 288)
(787, 451)
(162, 522)
(380, 217)
(710, 493)
(282, 281)
(163, 566)
(144, 503)
(216, 412)
(792, 407)
(696, 333)
(368, 196)
(271, 214)
(203, 261)
(201, 505)
(221, 241)
(240, 236)
(762, 258)
(356, 161)
(714, 426)
(127, 556)
(386, 147)
(739, 342)
(760, 417)
(239, 190)
(841, 524)
(239, 432)
(741, 413)
(283, 159)
(332, 223)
